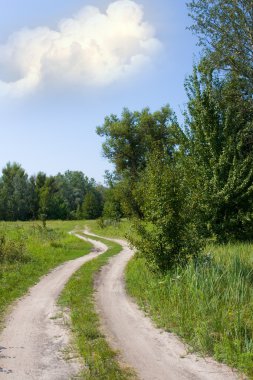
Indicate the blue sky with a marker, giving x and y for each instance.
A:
(48, 121)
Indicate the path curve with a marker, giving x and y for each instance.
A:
(32, 344)
(153, 353)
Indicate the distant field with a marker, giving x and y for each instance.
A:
(114, 230)
(27, 251)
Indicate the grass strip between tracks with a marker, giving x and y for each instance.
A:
(100, 360)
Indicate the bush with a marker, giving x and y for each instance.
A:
(169, 232)
(12, 250)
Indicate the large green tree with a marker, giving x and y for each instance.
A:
(225, 30)
(220, 149)
(129, 140)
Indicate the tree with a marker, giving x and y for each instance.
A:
(92, 205)
(225, 30)
(128, 142)
(220, 149)
(131, 138)
(52, 205)
(73, 186)
(168, 234)
(14, 193)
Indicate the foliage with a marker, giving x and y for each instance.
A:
(15, 192)
(44, 197)
(112, 208)
(225, 30)
(128, 142)
(131, 138)
(220, 149)
(73, 186)
(168, 233)
(51, 202)
(92, 205)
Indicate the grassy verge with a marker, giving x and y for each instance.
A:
(27, 251)
(208, 303)
(100, 360)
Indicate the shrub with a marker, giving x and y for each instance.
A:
(12, 250)
(169, 231)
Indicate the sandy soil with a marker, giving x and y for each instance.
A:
(153, 353)
(35, 342)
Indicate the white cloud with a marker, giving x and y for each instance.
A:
(90, 49)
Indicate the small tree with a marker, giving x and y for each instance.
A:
(168, 234)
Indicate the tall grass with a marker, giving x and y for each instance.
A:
(209, 302)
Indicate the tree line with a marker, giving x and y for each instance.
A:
(185, 184)
(71, 195)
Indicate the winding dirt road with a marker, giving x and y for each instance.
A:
(33, 343)
(153, 353)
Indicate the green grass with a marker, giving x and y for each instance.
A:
(41, 249)
(208, 303)
(117, 230)
(100, 360)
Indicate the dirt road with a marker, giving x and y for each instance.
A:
(154, 354)
(32, 344)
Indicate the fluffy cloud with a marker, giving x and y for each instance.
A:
(90, 49)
